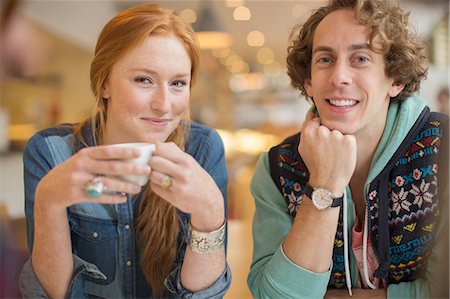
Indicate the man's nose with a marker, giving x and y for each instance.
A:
(341, 74)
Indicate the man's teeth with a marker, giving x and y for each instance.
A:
(342, 103)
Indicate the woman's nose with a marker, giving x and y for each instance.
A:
(161, 100)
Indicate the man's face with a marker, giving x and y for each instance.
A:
(348, 82)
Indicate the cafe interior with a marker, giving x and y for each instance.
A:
(243, 90)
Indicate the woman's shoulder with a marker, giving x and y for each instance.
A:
(201, 129)
(49, 141)
(60, 130)
(201, 134)
(203, 140)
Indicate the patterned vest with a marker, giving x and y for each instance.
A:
(402, 201)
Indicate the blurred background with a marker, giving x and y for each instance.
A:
(243, 91)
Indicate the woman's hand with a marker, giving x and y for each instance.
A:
(65, 184)
(192, 191)
(329, 155)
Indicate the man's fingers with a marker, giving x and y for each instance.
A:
(311, 118)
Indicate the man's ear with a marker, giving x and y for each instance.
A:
(395, 89)
(308, 87)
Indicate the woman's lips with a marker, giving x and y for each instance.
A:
(160, 122)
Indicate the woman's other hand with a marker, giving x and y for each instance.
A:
(65, 184)
(192, 189)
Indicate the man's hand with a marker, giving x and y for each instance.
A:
(329, 155)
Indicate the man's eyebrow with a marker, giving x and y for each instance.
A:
(351, 47)
(323, 49)
(359, 47)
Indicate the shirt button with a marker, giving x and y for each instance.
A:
(95, 234)
(128, 263)
(127, 226)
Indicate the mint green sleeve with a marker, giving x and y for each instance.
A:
(272, 274)
(435, 283)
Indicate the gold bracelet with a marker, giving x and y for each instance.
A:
(202, 242)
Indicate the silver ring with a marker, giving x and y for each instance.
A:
(166, 182)
(95, 187)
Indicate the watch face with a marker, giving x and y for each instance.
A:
(322, 198)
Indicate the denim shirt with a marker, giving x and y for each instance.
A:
(104, 250)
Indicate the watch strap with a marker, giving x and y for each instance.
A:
(308, 190)
(337, 201)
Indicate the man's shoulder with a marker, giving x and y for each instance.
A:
(441, 118)
(287, 147)
(436, 124)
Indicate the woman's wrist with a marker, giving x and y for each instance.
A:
(209, 217)
(206, 242)
(207, 224)
(48, 208)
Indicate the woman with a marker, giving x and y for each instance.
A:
(130, 242)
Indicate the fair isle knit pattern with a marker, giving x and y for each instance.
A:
(412, 179)
(413, 203)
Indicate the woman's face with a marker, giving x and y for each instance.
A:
(147, 91)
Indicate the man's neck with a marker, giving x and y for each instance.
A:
(367, 144)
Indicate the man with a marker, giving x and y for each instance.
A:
(355, 204)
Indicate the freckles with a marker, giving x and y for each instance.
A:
(181, 104)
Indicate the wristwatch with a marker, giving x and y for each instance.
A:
(322, 198)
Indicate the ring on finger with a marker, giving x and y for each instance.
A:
(166, 182)
(95, 187)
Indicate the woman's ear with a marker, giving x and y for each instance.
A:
(105, 90)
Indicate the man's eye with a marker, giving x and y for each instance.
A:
(324, 59)
(362, 59)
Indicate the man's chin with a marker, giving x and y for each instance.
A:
(338, 126)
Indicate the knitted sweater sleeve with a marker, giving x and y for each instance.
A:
(272, 274)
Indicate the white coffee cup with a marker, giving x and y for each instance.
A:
(146, 150)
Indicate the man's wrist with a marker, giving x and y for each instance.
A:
(336, 189)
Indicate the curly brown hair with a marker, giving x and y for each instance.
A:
(405, 55)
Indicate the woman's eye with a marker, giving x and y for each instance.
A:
(179, 83)
(144, 80)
